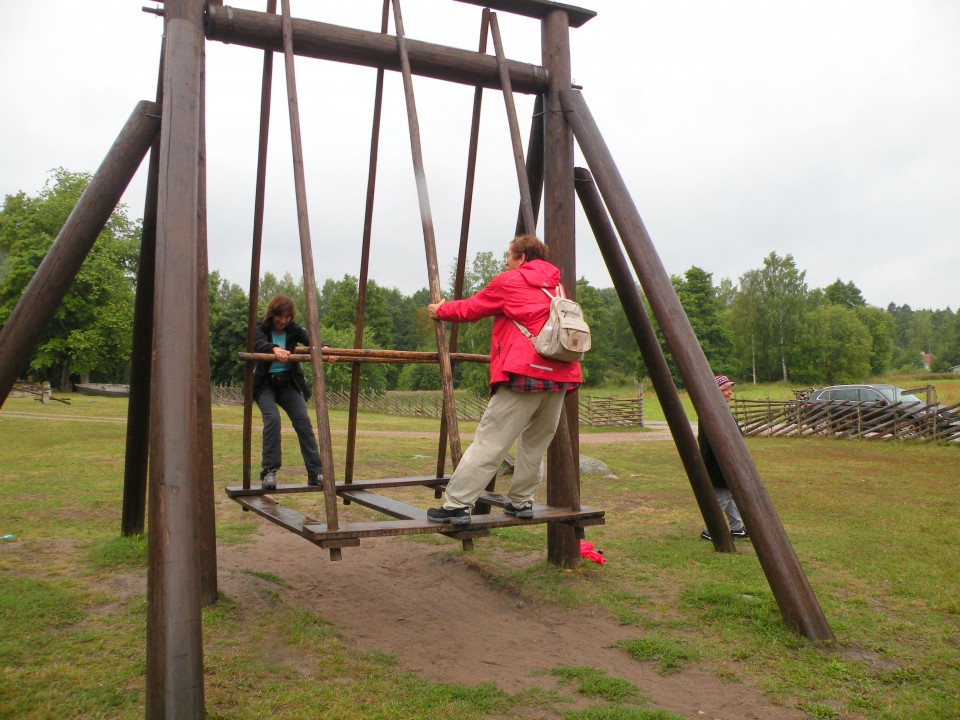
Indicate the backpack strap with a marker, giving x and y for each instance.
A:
(526, 333)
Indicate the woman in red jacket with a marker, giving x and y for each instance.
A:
(526, 389)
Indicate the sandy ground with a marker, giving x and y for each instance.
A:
(443, 621)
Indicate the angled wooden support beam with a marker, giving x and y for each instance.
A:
(361, 47)
(465, 215)
(534, 163)
(653, 358)
(526, 204)
(790, 587)
(49, 285)
(365, 257)
(309, 279)
(429, 240)
(259, 202)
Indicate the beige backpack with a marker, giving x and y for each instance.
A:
(566, 335)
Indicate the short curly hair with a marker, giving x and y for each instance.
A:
(529, 247)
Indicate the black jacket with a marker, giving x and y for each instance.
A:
(296, 335)
(710, 460)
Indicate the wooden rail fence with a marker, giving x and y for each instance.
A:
(594, 412)
(848, 419)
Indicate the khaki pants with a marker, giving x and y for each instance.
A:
(530, 420)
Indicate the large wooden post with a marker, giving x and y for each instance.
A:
(174, 633)
(798, 605)
(563, 546)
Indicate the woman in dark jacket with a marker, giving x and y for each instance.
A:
(279, 382)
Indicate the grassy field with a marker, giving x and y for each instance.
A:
(874, 526)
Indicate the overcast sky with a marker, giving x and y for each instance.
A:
(826, 130)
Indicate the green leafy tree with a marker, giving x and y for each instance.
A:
(880, 326)
(228, 330)
(477, 273)
(841, 293)
(271, 285)
(402, 311)
(743, 320)
(704, 310)
(596, 363)
(418, 376)
(91, 331)
(950, 356)
(701, 302)
(613, 354)
(338, 303)
(920, 332)
(726, 292)
(338, 374)
(942, 322)
(772, 304)
(622, 353)
(839, 352)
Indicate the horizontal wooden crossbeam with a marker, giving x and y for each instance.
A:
(425, 480)
(362, 355)
(324, 41)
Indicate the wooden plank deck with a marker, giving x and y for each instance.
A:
(408, 519)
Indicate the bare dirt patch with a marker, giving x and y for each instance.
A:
(443, 621)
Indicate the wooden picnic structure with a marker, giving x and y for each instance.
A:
(169, 418)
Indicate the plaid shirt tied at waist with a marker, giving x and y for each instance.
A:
(524, 384)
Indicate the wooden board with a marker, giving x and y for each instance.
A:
(420, 480)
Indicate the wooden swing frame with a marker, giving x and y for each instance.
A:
(407, 519)
(169, 412)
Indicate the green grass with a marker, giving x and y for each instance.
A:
(669, 655)
(873, 524)
(595, 683)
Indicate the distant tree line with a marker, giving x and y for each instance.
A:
(768, 326)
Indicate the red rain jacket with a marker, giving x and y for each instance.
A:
(515, 295)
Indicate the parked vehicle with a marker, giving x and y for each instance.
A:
(878, 396)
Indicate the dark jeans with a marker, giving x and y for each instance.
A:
(290, 399)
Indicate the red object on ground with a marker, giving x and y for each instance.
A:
(587, 552)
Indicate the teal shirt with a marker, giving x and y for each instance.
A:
(281, 340)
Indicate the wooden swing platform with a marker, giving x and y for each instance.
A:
(409, 519)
